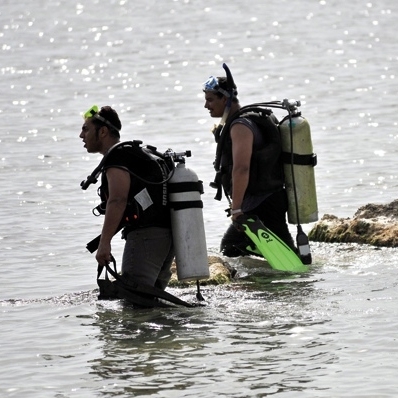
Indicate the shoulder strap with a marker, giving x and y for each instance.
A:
(93, 177)
(246, 111)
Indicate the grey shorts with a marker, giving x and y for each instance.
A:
(147, 257)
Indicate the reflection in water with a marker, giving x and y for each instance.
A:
(255, 337)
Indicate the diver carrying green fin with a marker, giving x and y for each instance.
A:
(263, 166)
(274, 250)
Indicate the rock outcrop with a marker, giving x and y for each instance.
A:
(374, 224)
(220, 273)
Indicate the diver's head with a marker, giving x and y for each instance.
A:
(101, 129)
(217, 95)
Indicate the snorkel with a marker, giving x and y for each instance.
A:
(212, 85)
(230, 93)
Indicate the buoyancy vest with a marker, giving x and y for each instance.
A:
(266, 168)
(148, 196)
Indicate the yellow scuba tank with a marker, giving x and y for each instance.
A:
(299, 162)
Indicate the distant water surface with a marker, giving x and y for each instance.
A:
(330, 333)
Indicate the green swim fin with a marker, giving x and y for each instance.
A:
(274, 250)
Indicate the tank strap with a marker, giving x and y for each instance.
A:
(188, 204)
(302, 160)
(189, 186)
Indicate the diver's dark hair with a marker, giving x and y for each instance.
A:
(109, 114)
(222, 82)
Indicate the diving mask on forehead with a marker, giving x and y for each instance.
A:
(93, 112)
(211, 84)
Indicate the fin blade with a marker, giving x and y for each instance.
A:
(280, 256)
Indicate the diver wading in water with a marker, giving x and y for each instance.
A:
(140, 193)
(251, 170)
(134, 199)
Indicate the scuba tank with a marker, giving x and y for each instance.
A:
(299, 162)
(187, 222)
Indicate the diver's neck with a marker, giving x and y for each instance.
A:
(108, 144)
(234, 108)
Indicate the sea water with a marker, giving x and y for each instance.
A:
(328, 333)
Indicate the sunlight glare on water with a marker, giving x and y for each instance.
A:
(328, 333)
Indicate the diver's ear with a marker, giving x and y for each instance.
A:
(103, 131)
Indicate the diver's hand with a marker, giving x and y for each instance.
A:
(237, 220)
(103, 255)
(235, 216)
